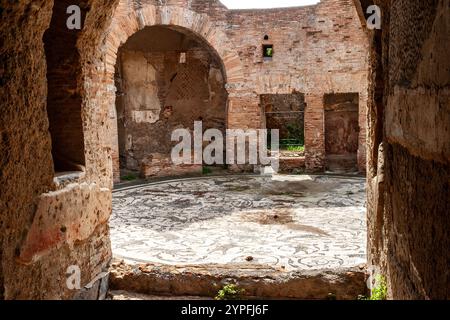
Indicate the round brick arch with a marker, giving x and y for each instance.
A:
(127, 21)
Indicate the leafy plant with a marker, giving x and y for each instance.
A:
(296, 132)
(230, 292)
(379, 291)
(295, 148)
(331, 296)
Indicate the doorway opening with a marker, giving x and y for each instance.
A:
(342, 132)
(64, 98)
(166, 79)
(286, 112)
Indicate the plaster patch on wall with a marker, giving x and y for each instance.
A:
(147, 116)
(65, 217)
(129, 144)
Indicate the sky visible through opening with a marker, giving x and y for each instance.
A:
(260, 4)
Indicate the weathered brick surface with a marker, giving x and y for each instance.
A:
(314, 133)
(341, 132)
(409, 143)
(157, 94)
(318, 49)
(26, 168)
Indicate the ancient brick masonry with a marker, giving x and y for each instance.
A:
(48, 224)
(165, 81)
(409, 140)
(317, 50)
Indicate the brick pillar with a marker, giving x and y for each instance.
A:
(362, 153)
(114, 142)
(244, 113)
(314, 133)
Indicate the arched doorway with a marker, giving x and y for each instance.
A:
(166, 78)
(125, 24)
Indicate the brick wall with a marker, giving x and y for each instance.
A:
(158, 93)
(317, 50)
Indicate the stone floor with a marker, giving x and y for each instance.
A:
(127, 295)
(289, 222)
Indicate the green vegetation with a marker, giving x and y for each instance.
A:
(296, 132)
(379, 291)
(294, 141)
(331, 296)
(129, 177)
(295, 148)
(230, 292)
(206, 170)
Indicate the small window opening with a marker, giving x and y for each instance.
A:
(266, 37)
(268, 51)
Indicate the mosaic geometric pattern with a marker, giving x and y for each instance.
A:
(293, 222)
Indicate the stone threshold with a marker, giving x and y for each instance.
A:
(258, 281)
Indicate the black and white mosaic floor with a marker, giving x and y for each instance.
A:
(293, 222)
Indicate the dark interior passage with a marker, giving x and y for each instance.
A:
(64, 98)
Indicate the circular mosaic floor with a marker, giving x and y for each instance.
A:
(294, 222)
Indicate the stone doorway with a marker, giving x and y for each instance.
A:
(341, 132)
(286, 112)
